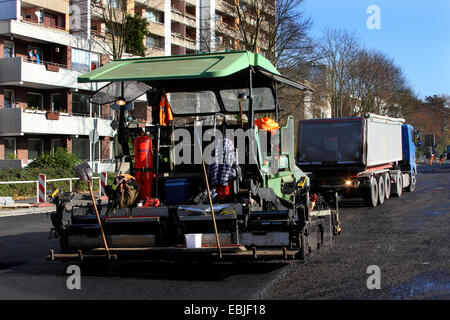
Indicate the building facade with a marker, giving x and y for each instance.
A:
(42, 106)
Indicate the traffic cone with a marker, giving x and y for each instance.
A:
(431, 160)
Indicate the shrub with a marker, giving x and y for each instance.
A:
(61, 160)
(54, 166)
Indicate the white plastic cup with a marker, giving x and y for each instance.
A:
(193, 240)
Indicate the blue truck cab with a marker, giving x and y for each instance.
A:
(410, 139)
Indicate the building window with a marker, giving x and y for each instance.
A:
(84, 61)
(95, 61)
(10, 149)
(154, 16)
(57, 102)
(56, 143)
(153, 41)
(80, 104)
(9, 98)
(9, 50)
(35, 148)
(35, 100)
(81, 147)
(117, 4)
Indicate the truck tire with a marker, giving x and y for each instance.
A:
(387, 185)
(371, 193)
(381, 189)
(397, 187)
(412, 185)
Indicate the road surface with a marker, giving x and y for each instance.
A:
(407, 239)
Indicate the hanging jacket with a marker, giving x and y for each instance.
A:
(165, 111)
(267, 124)
(223, 170)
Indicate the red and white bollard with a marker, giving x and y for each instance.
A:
(103, 183)
(42, 192)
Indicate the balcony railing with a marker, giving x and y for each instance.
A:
(15, 121)
(50, 74)
(47, 64)
(45, 25)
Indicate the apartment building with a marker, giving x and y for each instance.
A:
(180, 27)
(173, 26)
(42, 106)
(220, 23)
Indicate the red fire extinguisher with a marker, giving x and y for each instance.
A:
(143, 164)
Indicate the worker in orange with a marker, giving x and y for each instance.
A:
(271, 126)
(165, 111)
(267, 124)
(433, 153)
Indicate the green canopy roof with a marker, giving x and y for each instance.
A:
(200, 66)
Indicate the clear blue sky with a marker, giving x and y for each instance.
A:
(415, 33)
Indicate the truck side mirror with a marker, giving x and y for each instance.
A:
(417, 138)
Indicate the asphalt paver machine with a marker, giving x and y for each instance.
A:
(215, 168)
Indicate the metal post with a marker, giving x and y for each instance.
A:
(37, 191)
(250, 102)
(277, 104)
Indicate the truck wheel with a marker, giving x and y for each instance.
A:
(412, 185)
(387, 185)
(381, 189)
(398, 186)
(371, 194)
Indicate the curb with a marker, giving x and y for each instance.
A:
(26, 212)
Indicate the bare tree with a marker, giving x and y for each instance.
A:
(377, 83)
(288, 41)
(114, 18)
(338, 50)
(279, 29)
(104, 23)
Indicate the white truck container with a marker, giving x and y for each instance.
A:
(366, 155)
(384, 140)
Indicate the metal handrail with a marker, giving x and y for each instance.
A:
(35, 22)
(53, 180)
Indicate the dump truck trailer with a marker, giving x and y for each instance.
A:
(261, 210)
(372, 156)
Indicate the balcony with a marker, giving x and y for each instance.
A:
(18, 121)
(183, 18)
(17, 71)
(29, 32)
(156, 28)
(53, 27)
(57, 6)
(155, 52)
(225, 6)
